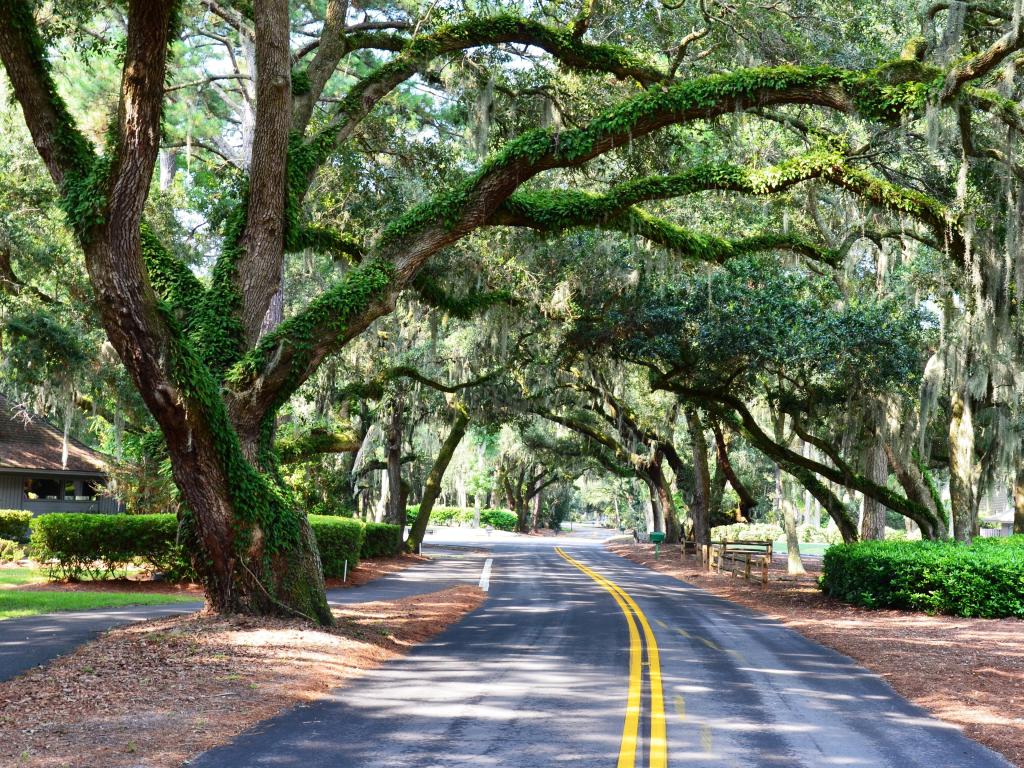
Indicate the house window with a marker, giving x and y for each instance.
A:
(42, 489)
(87, 490)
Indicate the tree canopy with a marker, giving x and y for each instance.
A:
(287, 256)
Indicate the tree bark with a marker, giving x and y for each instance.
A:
(394, 510)
(872, 525)
(656, 518)
(1018, 501)
(962, 488)
(535, 514)
(432, 487)
(794, 565)
(784, 505)
(701, 483)
(915, 485)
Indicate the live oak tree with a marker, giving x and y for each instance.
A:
(213, 358)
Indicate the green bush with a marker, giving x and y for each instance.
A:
(10, 551)
(985, 579)
(95, 545)
(85, 544)
(333, 507)
(381, 540)
(338, 539)
(14, 524)
(502, 519)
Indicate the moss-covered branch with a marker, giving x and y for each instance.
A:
(316, 442)
(462, 306)
(734, 411)
(483, 31)
(285, 357)
(879, 95)
(267, 375)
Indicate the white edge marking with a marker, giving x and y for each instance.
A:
(485, 575)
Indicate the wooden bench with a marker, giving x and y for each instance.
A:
(748, 553)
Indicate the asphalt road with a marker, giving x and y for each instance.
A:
(590, 660)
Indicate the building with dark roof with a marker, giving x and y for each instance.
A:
(35, 474)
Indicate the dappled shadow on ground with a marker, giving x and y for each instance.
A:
(965, 671)
(538, 677)
(168, 689)
(535, 677)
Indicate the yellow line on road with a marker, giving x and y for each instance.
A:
(705, 738)
(680, 707)
(631, 726)
(658, 751)
(709, 644)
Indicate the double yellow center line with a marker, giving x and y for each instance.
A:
(658, 746)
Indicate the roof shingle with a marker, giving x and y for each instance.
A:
(30, 442)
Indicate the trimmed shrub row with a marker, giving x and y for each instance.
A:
(14, 524)
(338, 539)
(85, 544)
(985, 579)
(381, 540)
(501, 519)
(97, 545)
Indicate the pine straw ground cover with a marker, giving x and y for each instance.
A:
(154, 694)
(969, 672)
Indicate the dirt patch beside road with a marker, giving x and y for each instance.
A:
(969, 672)
(160, 692)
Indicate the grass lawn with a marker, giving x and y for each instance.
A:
(806, 548)
(12, 577)
(17, 603)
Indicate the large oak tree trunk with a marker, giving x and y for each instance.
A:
(1018, 501)
(673, 527)
(747, 501)
(656, 517)
(394, 510)
(432, 487)
(701, 483)
(961, 466)
(872, 525)
(912, 479)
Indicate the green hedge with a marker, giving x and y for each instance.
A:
(338, 539)
(14, 524)
(85, 544)
(502, 519)
(381, 540)
(985, 579)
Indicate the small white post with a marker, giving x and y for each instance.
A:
(344, 573)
